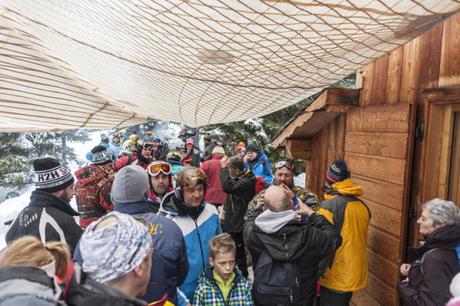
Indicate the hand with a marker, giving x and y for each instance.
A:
(304, 209)
(224, 162)
(288, 191)
(404, 269)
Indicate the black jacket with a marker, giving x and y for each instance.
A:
(304, 244)
(430, 275)
(240, 191)
(48, 218)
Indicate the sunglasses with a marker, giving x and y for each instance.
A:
(156, 167)
(147, 146)
(284, 163)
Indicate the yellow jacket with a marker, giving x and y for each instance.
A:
(341, 207)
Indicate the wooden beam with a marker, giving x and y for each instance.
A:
(299, 149)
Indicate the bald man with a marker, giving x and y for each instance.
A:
(274, 229)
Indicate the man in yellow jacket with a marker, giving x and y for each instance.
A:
(347, 270)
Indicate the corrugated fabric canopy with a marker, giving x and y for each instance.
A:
(106, 63)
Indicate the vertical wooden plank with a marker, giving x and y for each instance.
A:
(449, 73)
(393, 84)
(379, 80)
(410, 71)
(364, 99)
(430, 57)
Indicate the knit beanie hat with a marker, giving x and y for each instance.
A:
(114, 250)
(338, 171)
(218, 150)
(131, 185)
(100, 155)
(252, 148)
(50, 176)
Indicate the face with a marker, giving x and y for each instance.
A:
(241, 153)
(193, 197)
(155, 146)
(425, 223)
(66, 194)
(223, 264)
(284, 176)
(147, 153)
(233, 171)
(251, 155)
(160, 183)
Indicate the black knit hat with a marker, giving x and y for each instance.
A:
(252, 148)
(50, 176)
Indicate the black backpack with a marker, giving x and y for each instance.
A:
(275, 282)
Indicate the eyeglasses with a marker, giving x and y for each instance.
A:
(284, 163)
(156, 167)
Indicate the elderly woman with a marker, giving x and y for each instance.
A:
(427, 279)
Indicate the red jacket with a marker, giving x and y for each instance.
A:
(214, 192)
(93, 193)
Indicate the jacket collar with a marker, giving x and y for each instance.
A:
(135, 208)
(40, 198)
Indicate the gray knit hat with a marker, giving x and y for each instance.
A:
(131, 185)
(114, 250)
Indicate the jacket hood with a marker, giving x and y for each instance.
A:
(345, 188)
(40, 198)
(444, 237)
(171, 205)
(89, 174)
(270, 222)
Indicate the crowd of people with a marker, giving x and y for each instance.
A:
(155, 228)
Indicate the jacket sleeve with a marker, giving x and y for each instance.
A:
(198, 297)
(248, 297)
(121, 162)
(104, 196)
(268, 172)
(434, 289)
(324, 235)
(233, 186)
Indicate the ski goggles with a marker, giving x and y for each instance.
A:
(147, 145)
(159, 166)
(284, 163)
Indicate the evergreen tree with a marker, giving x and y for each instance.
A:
(14, 161)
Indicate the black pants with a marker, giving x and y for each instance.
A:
(240, 253)
(334, 298)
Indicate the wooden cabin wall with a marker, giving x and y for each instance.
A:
(429, 61)
(432, 60)
(328, 145)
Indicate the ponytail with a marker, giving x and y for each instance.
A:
(61, 255)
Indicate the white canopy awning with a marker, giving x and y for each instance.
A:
(106, 63)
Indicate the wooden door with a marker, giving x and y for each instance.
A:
(378, 150)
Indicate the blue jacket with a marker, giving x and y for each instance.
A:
(261, 167)
(169, 262)
(197, 234)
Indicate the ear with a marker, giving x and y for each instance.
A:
(211, 261)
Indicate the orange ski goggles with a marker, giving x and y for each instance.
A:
(159, 166)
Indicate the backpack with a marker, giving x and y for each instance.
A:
(261, 184)
(275, 282)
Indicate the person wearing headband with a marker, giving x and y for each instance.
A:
(142, 157)
(49, 215)
(160, 181)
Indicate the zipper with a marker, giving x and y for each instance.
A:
(199, 240)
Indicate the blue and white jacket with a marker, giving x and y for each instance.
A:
(197, 232)
(261, 167)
